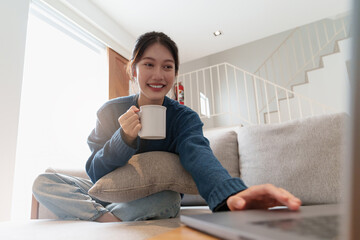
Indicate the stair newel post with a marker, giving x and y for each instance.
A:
(183, 79)
(177, 90)
(261, 101)
(267, 103)
(219, 85)
(198, 91)
(267, 77)
(204, 83)
(203, 73)
(228, 91)
(277, 103)
(212, 91)
(237, 91)
(191, 92)
(256, 99)
(247, 97)
(288, 104)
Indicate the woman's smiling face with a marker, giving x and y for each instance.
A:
(155, 73)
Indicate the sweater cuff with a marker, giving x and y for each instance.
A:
(133, 144)
(219, 195)
(121, 146)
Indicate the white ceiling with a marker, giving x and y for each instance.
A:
(191, 23)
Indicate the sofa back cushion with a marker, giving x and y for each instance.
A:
(223, 143)
(301, 156)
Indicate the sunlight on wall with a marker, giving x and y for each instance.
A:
(65, 82)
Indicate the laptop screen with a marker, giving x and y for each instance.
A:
(352, 223)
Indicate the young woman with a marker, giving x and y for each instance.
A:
(154, 65)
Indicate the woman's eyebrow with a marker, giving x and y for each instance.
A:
(169, 60)
(153, 59)
(148, 58)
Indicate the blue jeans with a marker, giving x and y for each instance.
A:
(67, 197)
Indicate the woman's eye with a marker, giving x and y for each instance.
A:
(168, 67)
(148, 64)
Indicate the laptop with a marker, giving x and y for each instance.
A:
(338, 221)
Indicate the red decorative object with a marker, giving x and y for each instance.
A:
(180, 93)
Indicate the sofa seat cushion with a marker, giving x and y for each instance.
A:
(301, 156)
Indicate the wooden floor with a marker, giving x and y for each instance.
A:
(183, 233)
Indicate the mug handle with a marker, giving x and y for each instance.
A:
(139, 114)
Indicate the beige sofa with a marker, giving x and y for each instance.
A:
(302, 156)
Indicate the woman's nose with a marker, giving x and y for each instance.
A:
(158, 74)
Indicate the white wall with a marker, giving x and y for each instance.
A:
(13, 23)
(248, 57)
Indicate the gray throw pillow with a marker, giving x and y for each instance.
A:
(145, 174)
(301, 156)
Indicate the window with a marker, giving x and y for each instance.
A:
(65, 82)
(204, 105)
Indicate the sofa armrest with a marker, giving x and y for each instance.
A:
(38, 211)
(34, 208)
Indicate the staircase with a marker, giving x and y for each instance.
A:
(331, 77)
(283, 86)
(302, 51)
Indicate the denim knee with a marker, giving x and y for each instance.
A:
(161, 205)
(67, 197)
(168, 205)
(40, 183)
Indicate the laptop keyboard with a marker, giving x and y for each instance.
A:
(322, 227)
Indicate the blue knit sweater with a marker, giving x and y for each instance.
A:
(184, 137)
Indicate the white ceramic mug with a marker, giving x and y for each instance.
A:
(153, 122)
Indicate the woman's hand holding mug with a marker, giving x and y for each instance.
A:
(130, 124)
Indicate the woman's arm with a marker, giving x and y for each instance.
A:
(108, 149)
(215, 185)
(213, 181)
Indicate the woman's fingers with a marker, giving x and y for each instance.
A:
(130, 122)
(280, 196)
(293, 202)
(236, 203)
(129, 113)
(263, 196)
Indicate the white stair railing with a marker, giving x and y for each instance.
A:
(224, 95)
(300, 52)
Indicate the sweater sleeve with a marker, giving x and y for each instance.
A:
(213, 181)
(108, 149)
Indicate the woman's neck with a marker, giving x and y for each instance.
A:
(144, 101)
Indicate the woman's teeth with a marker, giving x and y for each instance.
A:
(156, 86)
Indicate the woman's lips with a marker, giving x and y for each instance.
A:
(156, 87)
